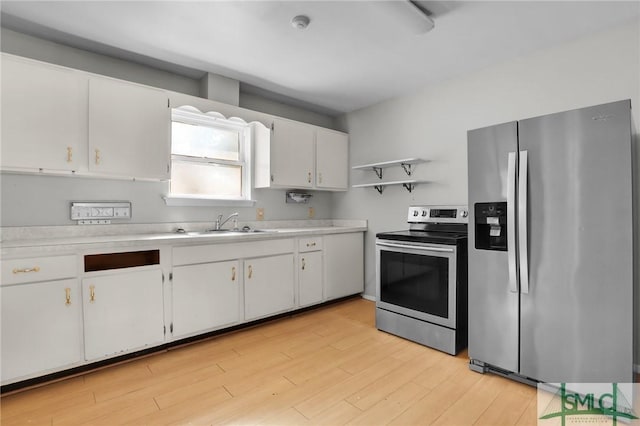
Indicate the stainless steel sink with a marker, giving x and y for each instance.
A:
(222, 231)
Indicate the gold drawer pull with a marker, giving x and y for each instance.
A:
(303, 264)
(69, 154)
(67, 293)
(92, 293)
(250, 271)
(233, 273)
(309, 177)
(311, 244)
(25, 270)
(97, 156)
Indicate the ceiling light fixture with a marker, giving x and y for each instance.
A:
(300, 22)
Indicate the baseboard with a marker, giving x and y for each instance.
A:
(366, 296)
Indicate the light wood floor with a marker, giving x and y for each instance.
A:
(328, 366)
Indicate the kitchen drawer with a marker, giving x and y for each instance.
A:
(17, 271)
(309, 244)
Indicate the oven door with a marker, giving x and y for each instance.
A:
(417, 280)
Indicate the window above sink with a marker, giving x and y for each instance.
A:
(210, 158)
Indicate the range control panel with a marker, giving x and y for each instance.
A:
(438, 214)
(100, 213)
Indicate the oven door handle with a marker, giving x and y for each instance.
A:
(423, 248)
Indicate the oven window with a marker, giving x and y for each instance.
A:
(415, 282)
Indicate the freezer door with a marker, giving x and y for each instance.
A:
(576, 323)
(493, 299)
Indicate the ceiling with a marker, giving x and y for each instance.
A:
(353, 53)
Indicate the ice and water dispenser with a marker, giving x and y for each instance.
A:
(491, 226)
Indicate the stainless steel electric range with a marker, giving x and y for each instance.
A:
(421, 278)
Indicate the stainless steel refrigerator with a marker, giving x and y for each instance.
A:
(551, 247)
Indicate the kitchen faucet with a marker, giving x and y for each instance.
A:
(220, 222)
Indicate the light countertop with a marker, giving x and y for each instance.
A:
(43, 237)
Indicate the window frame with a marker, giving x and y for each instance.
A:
(192, 116)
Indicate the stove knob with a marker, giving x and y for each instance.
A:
(424, 213)
(464, 213)
(415, 213)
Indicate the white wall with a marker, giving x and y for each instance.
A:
(432, 123)
(39, 200)
(262, 104)
(43, 50)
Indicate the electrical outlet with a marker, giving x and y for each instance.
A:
(312, 212)
(260, 213)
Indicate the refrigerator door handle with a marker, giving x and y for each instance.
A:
(511, 222)
(523, 222)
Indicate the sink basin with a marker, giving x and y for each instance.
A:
(223, 232)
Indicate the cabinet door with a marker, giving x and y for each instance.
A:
(129, 130)
(205, 296)
(268, 284)
(44, 116)
(41, 327)
(332, 159)
(343, 265)
(310, 278)
(292, 154)
(122, 311)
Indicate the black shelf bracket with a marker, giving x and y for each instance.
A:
(378, 171)
(407, 168)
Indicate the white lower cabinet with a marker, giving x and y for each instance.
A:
(343, 264)
(310, 278)
(205, 296)
(50, 308)
(268, 285)
(122, 312)
(41, 327)
(310, 271)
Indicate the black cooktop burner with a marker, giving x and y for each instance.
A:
(429, 233)
(423, 236)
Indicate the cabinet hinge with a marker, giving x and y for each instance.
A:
(273, 126)
(163, 278)
(170, 276)
(168, 103)
(171, 328)
(168, 168)
(164, 330)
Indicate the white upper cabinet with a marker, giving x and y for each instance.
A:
(129, 129)
(300, 155)
(332, 159)
(44, 116)
(292, 154)
(60, 120)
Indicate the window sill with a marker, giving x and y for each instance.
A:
(206, 202)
